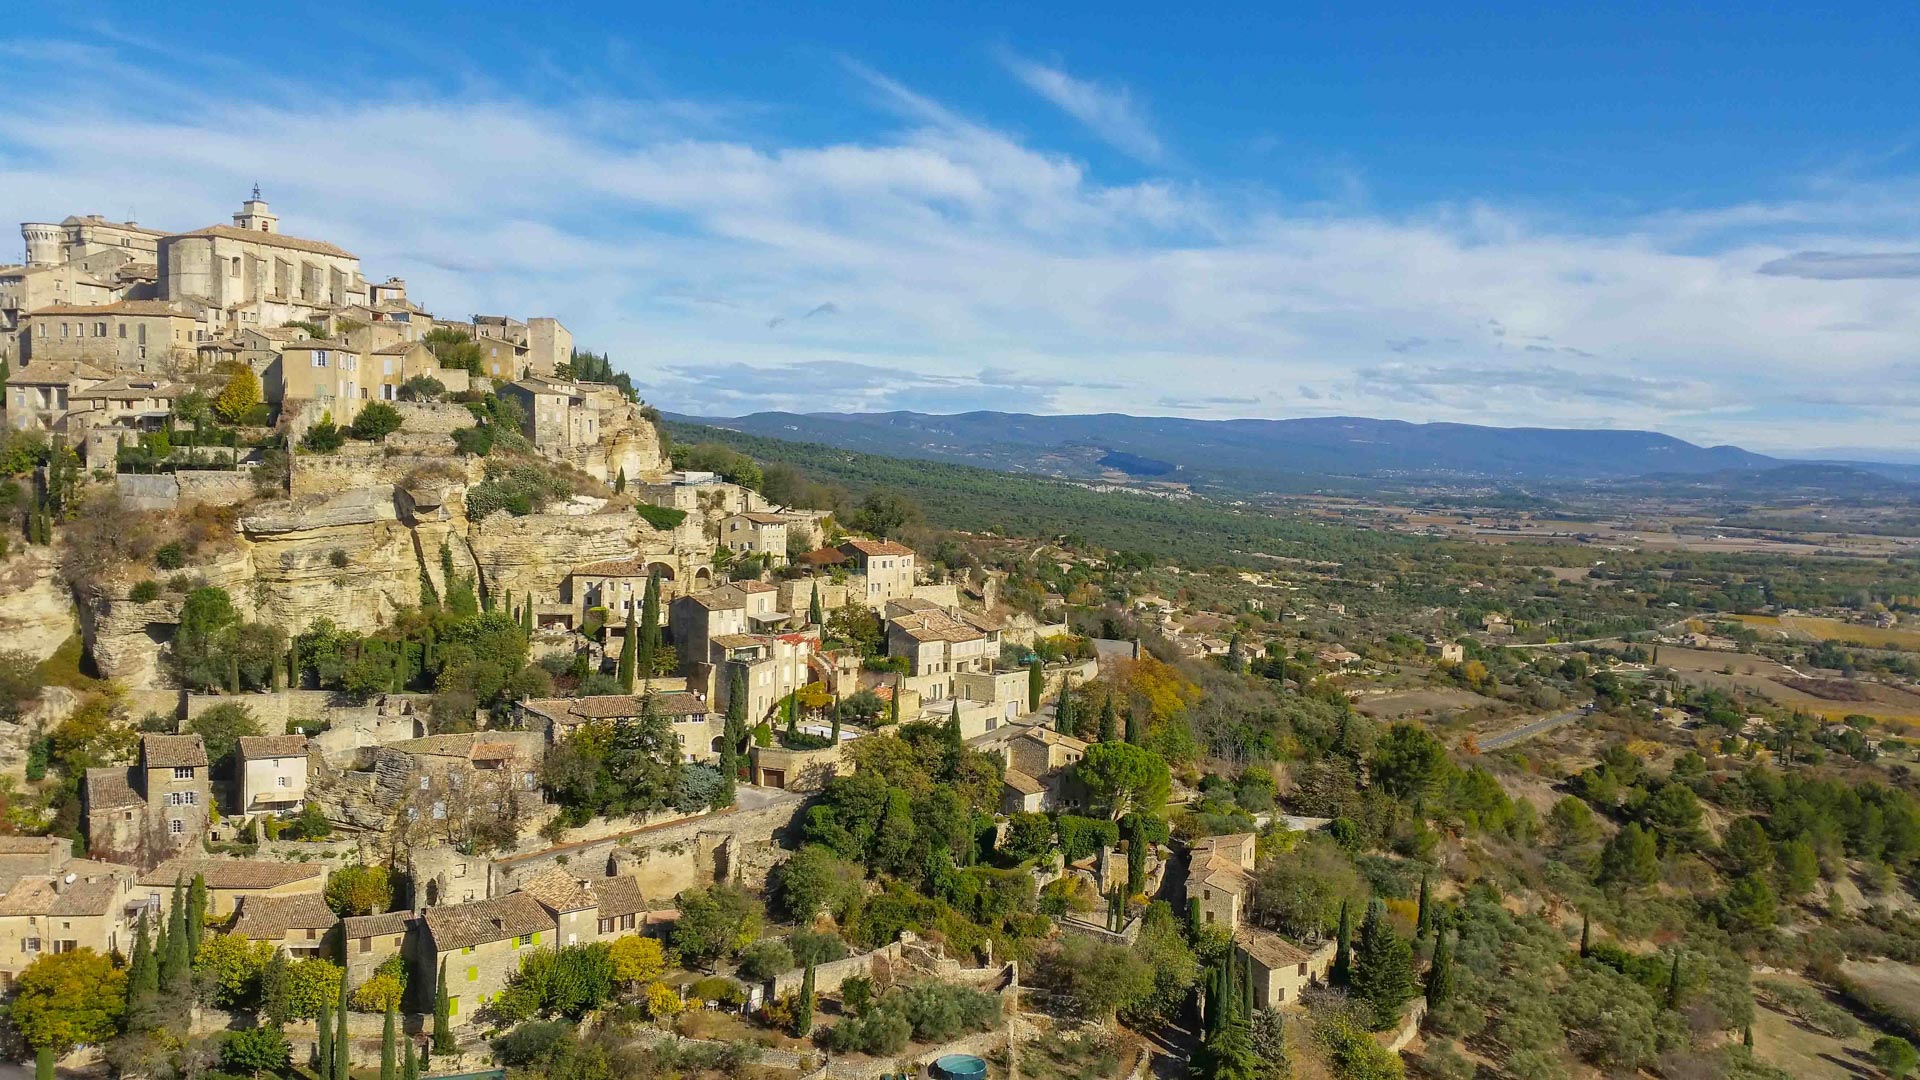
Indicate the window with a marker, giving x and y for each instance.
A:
(279, 781)
(123, 331)
(606, 926)
(183, 772)
(626, 922)
(99, 329)
(366, 944)
(177, 827)
(183, 798)
(426, 782)
(31, 944)
(473, 973)
(319, 358)
(526, 939)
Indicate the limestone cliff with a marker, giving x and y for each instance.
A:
(532, 555)
(36, 614)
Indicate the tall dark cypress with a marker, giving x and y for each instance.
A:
(803, 1009)
(815, 615)
(1440, 972)
(196, 916)
(1137, 856)
(1136, 734)
(176, 967)
(342, 1042)
(442, 1012)
(1586, 928)
(143, 971)
(1342, 952)
(389, 1059)
(956, 746)
(629, 645)
(1673, 981)
(1109, 721)
(1422, 924)
(323, 1047)
(1063, 721)
(649, 627)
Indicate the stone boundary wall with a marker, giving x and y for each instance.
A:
(432, 417)
(272, 710)
(829, 977)
(1409, 1026)
(757, 826)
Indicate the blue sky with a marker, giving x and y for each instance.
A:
(1686, 219)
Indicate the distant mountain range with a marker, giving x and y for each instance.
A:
(1312, 454)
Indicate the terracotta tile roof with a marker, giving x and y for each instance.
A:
(559, 891)
(255, 747)
(1049, 737)
(460, 926)
(737, 641)
(293, 243)
(359, 926)
(130, 388)
(460, 745)
(1022, 783)
(491, 751)
(232, 873)
(268, 918)
(111, 788)
(759, 518)
(120, 307)
(752, 587)
(1232, 846)
(618, 896)
(29, 845)
(50, 896)
(937, 625)
(876, 547)
(56, 373)
(1272, 950)
(634, 567)
(824, 557)
(720, 599)
(172, 751)
(1221, 873)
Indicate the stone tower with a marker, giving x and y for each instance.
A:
(43, 242)
(254, 215)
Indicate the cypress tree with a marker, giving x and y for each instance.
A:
(442, 1028)
(1673, 981)
(1036, 684)
(410, 1068)
(196, 916)
(276, 989)
(620, 482)
(1440, 972)
(1109, 721)
(792, 707)
(816, 616)
(1063, 712)
(1135, 734)
(1586, 928)
(342, 1042)
(143, 974)
(955, 745)
(526, 613)
(629, 645)
(1423, 924)
(323, 1068)
(1746, 1033)
(176, 970)
(1137, 856)
(1342, 954)
(1193, 920)
(893, 704)
(43, 1063)
(803, 1009)
(649, 627)
(1382, 974)
(389, 1063)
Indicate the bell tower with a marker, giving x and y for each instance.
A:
(254, 215)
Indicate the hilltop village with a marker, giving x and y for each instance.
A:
(388, 690)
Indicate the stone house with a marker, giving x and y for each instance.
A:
(144, 812)
(128, 335)
(229, 880)
(1220, 878)
(776, 665)
(479, 946)
(620, 586)
(886, 567)
(695, 724)
(84, 905)
(25, 289)
(321, 375)
(258, 275)
(1039, 764)
(38, 398)
(587, 909)
(300, 923)
(273, 773)
(1447, 652)
(756, 533)
(371, 940)
(117, 409)
(1282, 971)
(941, 641)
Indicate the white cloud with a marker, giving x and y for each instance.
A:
(966, 268)
(1107, 111)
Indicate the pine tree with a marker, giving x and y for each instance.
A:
(342, 1042)
(1673, 981)
(1382, 974)
(816, 616)
(1342, 953)
(323, 1068)
(1036, 684)
(1586, 928)
(1423, 924)
(803, 1009)
(1135, 735)
(389, 1063)
(442, 1028)
(1440, 972)
(629, 645)
(1109, 721)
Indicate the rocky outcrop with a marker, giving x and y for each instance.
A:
(532, 555)
(126, 637)
(348, 558)
(36, 614)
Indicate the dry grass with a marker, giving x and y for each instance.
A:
(1804, 1053)
(1804, 626)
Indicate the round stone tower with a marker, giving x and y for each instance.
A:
(43, 242)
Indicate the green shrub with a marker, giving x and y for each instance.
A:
(169, 556)
(664, 518)
(145, 592)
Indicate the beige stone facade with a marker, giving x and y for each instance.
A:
(886, 566)
(82, 904)
(273, 773)
(1282, 970)
(756, 533)
(142, 813)
(231, 880)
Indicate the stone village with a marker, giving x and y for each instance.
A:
(342, 496)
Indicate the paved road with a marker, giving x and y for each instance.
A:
(1528, 731)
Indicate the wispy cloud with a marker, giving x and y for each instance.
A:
(1108, 111)
(949, 263)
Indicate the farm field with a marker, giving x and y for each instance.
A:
(1805, 627)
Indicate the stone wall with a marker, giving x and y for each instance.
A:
(435, 417)
(272, 710)
(879, 964)
(165, 491)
